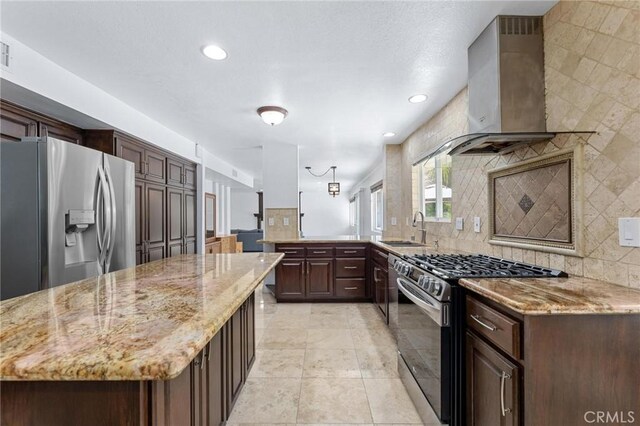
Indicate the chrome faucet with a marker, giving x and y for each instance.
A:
(423, 230)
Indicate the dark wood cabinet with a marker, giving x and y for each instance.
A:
(171, 400)
(250, 334)
(319, 278)
(380, 283)
(169, 225)
(17, 122)
(316, 271)
(214, 411)
(290, 279)
(235, 367)
(493, 386)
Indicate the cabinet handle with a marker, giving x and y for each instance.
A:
(209, 350)
(319, 251)
(146, 167)
(350, 251)
(503, 378)
(375, 274)
(486, 325)
(351, 288)
(350, 267)
(290, 252)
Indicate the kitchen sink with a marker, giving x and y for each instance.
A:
(401, 243)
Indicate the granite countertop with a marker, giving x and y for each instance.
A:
(141, 323)
(529, 296)
(544, 296)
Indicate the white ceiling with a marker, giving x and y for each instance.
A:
(344, 70)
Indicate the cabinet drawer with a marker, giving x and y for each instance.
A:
(291, 251)
(348, 268)
(320, 251)
(350, 287)
(380, 256)
(351, 251)
(500, 329)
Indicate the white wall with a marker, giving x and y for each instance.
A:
(363, 188)
(280, 175)
(243, 206)
(324, 214)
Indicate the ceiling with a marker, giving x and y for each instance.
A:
(344, 70)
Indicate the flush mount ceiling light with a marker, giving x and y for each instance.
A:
(272, 115)
(416, 99)
(388, 134)
(214, 52)
(334, 187)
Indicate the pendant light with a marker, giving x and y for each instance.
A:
(334, 187)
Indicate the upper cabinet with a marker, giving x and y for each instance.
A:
(17, 123)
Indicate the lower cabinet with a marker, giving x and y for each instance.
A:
(492, 386)
(205, 392)
(380, 289)
(319, 278)
(290, 279)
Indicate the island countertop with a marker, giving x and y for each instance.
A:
(141, 323)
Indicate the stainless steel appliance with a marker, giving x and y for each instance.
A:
(430, 324)
(67, 213)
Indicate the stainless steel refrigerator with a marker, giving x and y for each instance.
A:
(67, 213)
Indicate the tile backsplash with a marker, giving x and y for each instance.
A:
(285, 224)
(592, 78)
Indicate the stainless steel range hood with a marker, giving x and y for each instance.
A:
(506, 88)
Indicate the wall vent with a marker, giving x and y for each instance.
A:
(5, 52)
(520, 25)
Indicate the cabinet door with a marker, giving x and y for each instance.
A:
(215, 414)
(320, 280)
(60, 131)
(235, 357)
(250, 333)
(189, 176)
(156, 163)
(199, 389)
(492, 386)
(175, 219)
(171, 400)
(189, 222)
(140, 218)
(156, 206)
(15, 126)
(133, 152)
(290, 279)
(175, 172)
(380, 278)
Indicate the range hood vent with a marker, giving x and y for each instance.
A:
(506, 88)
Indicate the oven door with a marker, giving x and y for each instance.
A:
(424, 344)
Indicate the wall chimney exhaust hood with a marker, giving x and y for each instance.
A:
(506, 88)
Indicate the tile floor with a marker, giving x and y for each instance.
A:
(323, 364)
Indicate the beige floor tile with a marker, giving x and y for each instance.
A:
(331, 363)
(276, 338)
(372, 337)
(298, 321)
(262, 320)
(378, 362)
(390, 402)
(329, 339)
(328, 321)
(278, 363)
(294, 308)
(259, 334)
(331, 308)
(333, 401)
(267, 400)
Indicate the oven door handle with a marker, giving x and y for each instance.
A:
(435, 312)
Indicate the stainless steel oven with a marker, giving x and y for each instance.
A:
(424, 338)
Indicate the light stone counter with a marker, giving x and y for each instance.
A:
(142, 323)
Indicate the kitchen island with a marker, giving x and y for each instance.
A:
(168, 342)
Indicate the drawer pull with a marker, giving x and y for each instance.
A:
(290, 252)
(319, 252)
(503, 378)
(350, 267)
(350, 251)
(351, 288)
(488, 326)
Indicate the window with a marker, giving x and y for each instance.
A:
(377, 208)
(354, 214)
(435, 188)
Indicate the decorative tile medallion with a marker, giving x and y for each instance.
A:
(525, 203)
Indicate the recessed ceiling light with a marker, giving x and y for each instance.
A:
(272, 115)
(416, 99)
(214, 52)
(388, 134)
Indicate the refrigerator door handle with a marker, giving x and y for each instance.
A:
(112, 221)
(101, 226)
